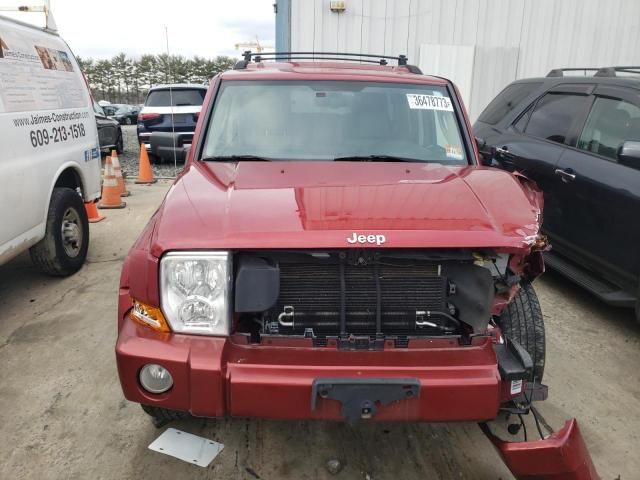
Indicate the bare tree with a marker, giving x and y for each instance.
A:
(123, 79)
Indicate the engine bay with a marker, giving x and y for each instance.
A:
(362, 297)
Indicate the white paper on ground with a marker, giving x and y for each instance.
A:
(185, 446)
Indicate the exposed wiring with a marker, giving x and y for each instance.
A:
(535, 417)
(542, 420)
(524, 427)
(535, 413)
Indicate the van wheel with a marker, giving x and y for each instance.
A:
(522, 321)
(63, 249)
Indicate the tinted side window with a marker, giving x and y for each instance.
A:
(610, 123)
(506, 101)
(553, 115)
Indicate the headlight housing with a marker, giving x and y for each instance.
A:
(195, 292)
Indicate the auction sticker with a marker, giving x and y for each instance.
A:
(429, 102)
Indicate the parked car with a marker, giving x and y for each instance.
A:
(333, 250)
(49, 160)
(109, 131)
(579, 139)
(123, 114)
(170, 108)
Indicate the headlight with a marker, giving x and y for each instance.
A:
(195, 292)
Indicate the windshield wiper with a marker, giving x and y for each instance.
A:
(375, 158)
(236, 158)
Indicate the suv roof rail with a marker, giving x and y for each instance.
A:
(559, 72)
(599, 71)
(611, 71)
(360, 57)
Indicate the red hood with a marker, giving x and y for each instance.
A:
(320, 204)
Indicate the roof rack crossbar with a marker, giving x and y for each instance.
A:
(258, 59)
(381, 59)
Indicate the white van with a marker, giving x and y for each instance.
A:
(49, 150)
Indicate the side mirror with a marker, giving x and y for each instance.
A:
(486, 153)
(629, 154)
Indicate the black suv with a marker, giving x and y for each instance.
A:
(578, 137)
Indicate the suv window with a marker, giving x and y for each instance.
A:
(553, 115)
(506, 101)
(324, 120)
(610, 123)
(176, 97)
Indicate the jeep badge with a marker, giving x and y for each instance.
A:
(377, 239)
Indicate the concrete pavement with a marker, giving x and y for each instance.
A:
(62, 414)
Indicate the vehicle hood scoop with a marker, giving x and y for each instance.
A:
(253, 204)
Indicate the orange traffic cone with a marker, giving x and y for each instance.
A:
(118, 171)
(92, 212)
(110, 189)
(145, 174)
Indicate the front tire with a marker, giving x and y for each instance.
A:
(63, 250)
(522, 321)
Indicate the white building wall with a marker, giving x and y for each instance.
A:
(510, 38)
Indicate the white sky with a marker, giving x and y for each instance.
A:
(103, 28)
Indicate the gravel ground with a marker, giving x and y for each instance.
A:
(129, 159)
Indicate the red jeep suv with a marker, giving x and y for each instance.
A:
(334, 250)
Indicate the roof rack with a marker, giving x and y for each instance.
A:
(600, 71)
(360, 57)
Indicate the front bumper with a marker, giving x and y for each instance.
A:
(214, 377)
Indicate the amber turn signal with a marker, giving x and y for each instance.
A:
(149, 316)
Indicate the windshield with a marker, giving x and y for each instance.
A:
(176, 97)
(328, 120)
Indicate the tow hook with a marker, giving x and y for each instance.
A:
(562, 455)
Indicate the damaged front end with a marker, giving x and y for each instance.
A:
(562, 455)
(559, 455)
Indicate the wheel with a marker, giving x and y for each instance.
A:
(154, 159)
(162, 416)
(127, 121)
(63, 249)
(522, 321)
(120, 144)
